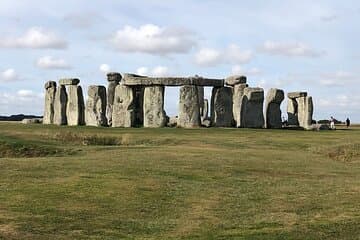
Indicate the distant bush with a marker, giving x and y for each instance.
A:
(326, 121)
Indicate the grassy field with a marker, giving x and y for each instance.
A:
(105, 183)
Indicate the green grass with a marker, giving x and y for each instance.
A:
(106, 183)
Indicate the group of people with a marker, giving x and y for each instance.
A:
(332, 123)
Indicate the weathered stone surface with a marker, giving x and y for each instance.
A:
(206, 123)
(274, 98)
(292, 111)
(69, 81)
(75, 109)
(252, 108)
(123, 114)
(189, 109)
(96, 106)
(200, 90)
(32, 120)
(154, 114)
(235, 79)
(238, 93)
(110, 100)
(205, 110)
(172, 121)
(221, 107)
(293, 95)
(114, 77)
(60, 104)
(50, 91)
(305, 111)
(132, 79)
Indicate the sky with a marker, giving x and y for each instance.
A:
(304, 45)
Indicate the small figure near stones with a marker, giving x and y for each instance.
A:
(347, 123)
(332, 123)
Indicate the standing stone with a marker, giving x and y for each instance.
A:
(200, 90)
(292, 111)
(205, 110)
(252, 108)
(123, 114)
(50, 91)
(138, 101)
(154, 114)
(272, 108)
(75, 109)
(96, 106)
(189, 107)
(221, 107)
(238, 93)
(305, 111)
(60, 104)
(113, 79)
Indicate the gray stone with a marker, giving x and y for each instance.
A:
(293, 95)
(172, 121)
(319, 127)
(96, 106)
(206, 123)
(292, 111)
(272, 108)
(200, 90)
(69, 81)
(238, 93)
(234, 80)
(221, 107)
(189, 109)
(305, 111)
(50, 91)
(205, 110)
(139, 107)
(114, 77)
(75, 109)
(110, 100)
(132, 79)
(252, 108)
(154, 114)
(123, 114)
(60, 104)
(32, 120)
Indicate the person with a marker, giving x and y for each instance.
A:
(332, 123)
(347, 123)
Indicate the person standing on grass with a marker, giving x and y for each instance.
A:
(347, 123)
(332, 123)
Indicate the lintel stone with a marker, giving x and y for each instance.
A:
(69, 81)
(293, 95)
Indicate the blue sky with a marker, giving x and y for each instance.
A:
(292, 45)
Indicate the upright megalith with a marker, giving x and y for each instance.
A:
(300, 109)
(123, 112)
(75, 109)
(238, 84)
(113, 79)
(205, 110)
(50, 91)
(189, 107)
(154, 114)
(274, 98)
(95, 108)
(139, 101)
(60, 104)
(252, 108)
(221, 107)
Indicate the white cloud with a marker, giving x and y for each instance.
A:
(158, 71)
(8, 75)
(209, 57)
(104, 68)
(338, 78)
(290, 49)
(35, 37)
(239, 70)
(153, 39)
(48, 62)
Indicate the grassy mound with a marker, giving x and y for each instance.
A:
(21, 150)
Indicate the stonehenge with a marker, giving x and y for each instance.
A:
(274, 98)
(132, 100)
(95, 109)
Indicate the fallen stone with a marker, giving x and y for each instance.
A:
(75, 109)
(50, 91)
(252, 108)
(189, 109)
(272, 108)
(96, 106)
(132, 79)
(221, 107)
(154, 114)
(238, 93)
(319, 127)
(60, 104)
(293, 95)
(32, 120)
(69, 81)
(123, 114)
(234, 80)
